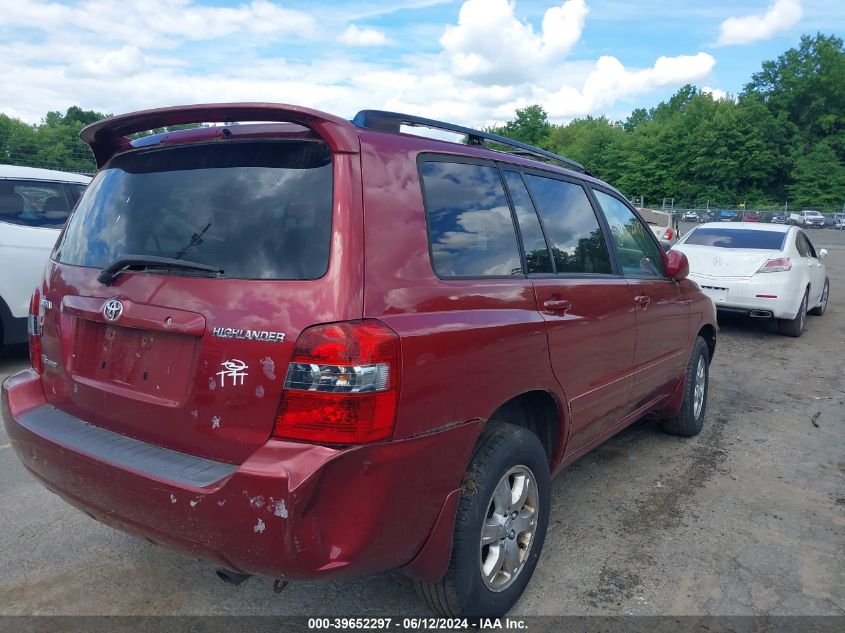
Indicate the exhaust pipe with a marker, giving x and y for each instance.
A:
(760, 314)
(232, 577)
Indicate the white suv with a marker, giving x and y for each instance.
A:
(34, 204)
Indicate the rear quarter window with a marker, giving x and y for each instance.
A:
(258, 210)
(471, 230)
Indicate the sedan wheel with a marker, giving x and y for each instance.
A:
(822, 307)
(795, 327)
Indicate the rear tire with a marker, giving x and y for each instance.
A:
(690, 418)
(795, 327)
(822, 307)
(501, 523)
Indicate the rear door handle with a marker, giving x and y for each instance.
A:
(642, 301)
(557, 305)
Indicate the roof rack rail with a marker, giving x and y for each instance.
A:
(393, 121)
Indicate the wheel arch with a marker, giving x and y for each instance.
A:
(542, 413)
(708, 333)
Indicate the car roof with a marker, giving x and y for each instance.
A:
(34, 173)
(777, 228)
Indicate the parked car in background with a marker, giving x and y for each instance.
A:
(34, 205)
(833, 219)
(764, 271)
(840, 224)
(726, 215)
(807, 219)
(690, 216)
(778, 218)
(242, 367)
(751, 216)
(709, 216)
(660, 223)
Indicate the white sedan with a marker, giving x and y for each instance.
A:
(34, 204)
(762, 270)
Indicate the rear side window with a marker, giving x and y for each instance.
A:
(258, 210)
(469, 221)
(804, 246)
(576, 239)
(736, 238)
(537, 257)
(33, 203)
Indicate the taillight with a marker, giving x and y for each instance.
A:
(776, 265)
(342, 384)
(33, 327)
(669, 234)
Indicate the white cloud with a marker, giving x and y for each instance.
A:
(127, 61)
(353, 36)
(158, 22)
(779, 16)
(491, 45)
(610, 81)
(119, 57)
(715, 93)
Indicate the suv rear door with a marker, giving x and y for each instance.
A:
(177, 357)
(589, 318)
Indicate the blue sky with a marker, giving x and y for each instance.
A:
(468, 61)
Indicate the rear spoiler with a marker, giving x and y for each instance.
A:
(109, 136)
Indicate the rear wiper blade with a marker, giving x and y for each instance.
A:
(107, 274)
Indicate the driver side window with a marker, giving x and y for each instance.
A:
(639, 255)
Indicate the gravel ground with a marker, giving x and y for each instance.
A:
(748, 518)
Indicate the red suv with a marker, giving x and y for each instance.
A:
(317, 348)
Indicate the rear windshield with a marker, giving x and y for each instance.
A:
(258, 210)
(737, 238)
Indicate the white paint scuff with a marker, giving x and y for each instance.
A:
(278, 508)
(269, 368)
(259, 527)
(215, 422)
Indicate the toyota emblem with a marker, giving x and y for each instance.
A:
(112, 309)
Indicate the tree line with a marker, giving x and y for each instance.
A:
(781, 140)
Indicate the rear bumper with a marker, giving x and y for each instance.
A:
(291, 510)
(781, 295)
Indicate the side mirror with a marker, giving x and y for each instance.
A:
(676, 265)
(823, 253)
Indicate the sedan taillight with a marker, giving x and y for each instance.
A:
(776, 265)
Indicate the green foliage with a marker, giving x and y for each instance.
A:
(54, 143)
(782, 138)
(531, 126)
